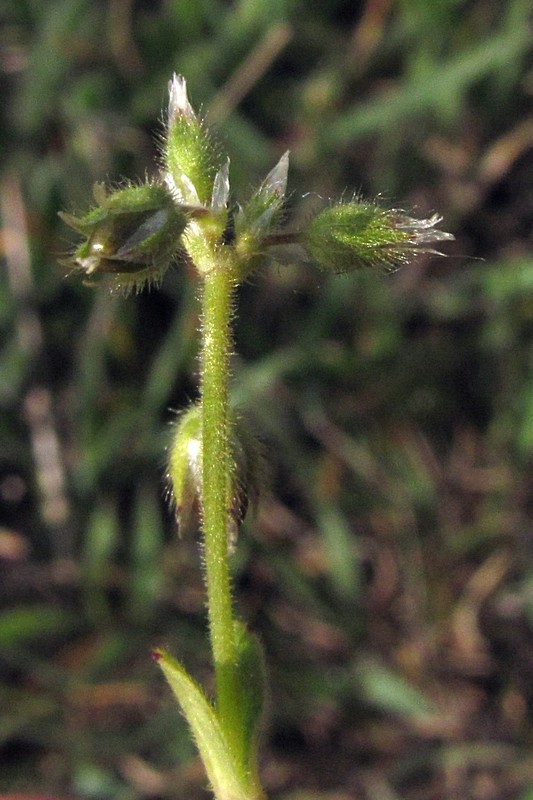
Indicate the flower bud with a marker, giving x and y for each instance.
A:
(258, 219)
(194, 177)
(189, 155)
(185, 471)
(350, 236)
(132, 236)
(185, 467)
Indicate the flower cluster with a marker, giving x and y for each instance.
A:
(135, 233)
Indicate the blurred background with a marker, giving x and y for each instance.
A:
(389, 569)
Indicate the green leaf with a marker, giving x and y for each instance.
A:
(146, 557)
(222, 771)
(252, 682)
(19, 626)
(390, 692)
(101, 540)
(340, 551)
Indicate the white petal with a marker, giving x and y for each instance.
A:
(423, 230)
(178, 104)
(99, 193)
(433, 236)
(89, 264)
(194, 457)
(411, 223)
(190, 194)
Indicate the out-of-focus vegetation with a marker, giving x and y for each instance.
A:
(389, 571)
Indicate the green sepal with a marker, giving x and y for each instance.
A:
(188, 153)
(247, 475)
(226, 778)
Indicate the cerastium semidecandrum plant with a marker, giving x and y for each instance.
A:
(131, 237)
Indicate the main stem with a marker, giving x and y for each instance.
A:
(217, 298)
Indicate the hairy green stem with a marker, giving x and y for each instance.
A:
(217, 299)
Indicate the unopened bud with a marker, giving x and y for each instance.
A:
(132, 236)
(185, 467)
(245, 471)
(351, 236)
(190, 157)
(258, 219)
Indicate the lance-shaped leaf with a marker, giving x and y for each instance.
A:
(226, 778)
